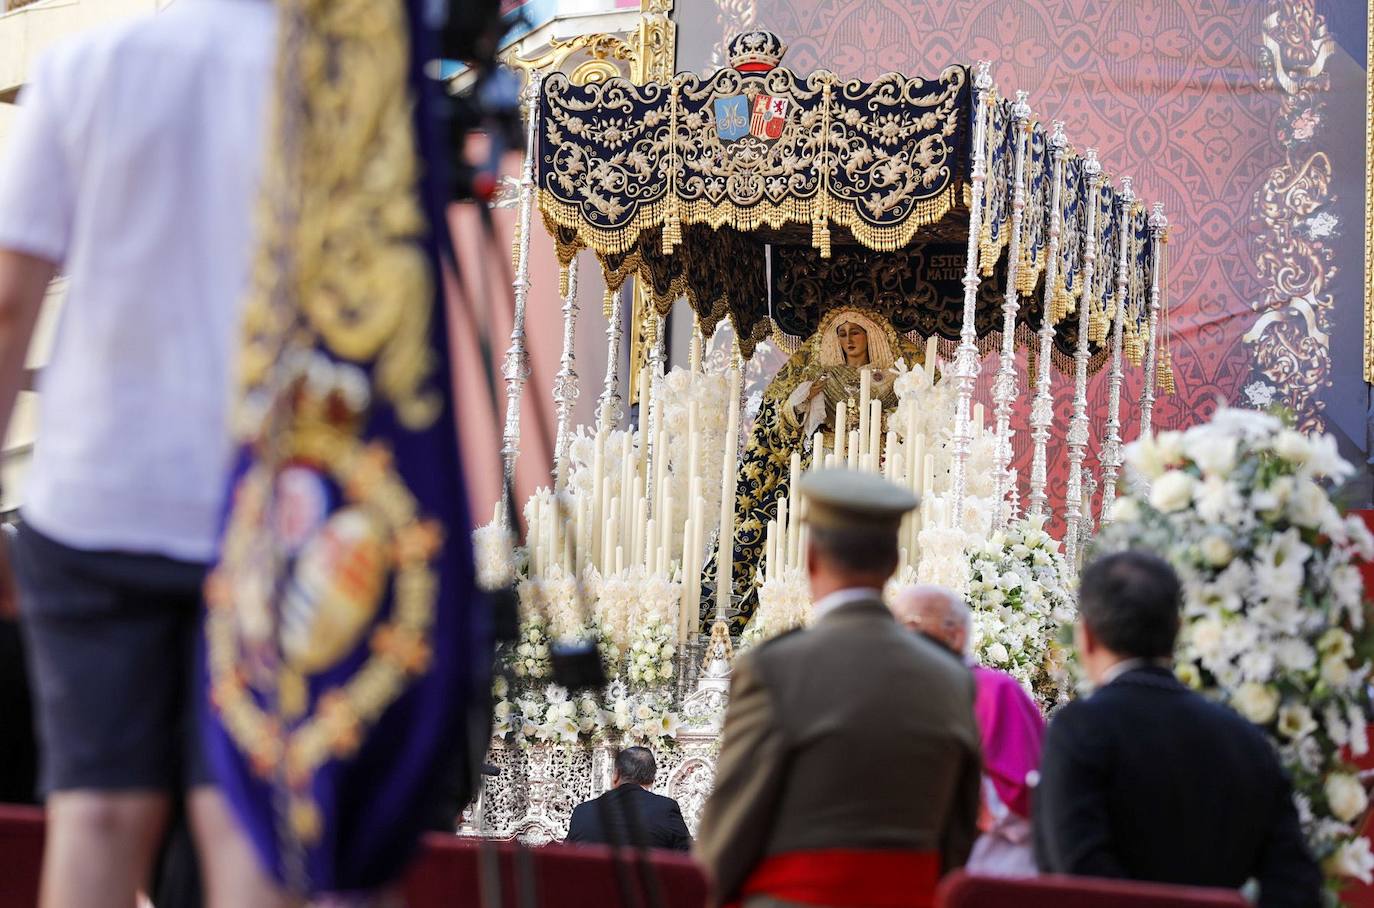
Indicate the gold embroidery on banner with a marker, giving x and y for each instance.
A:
(606, 202)
(1290, 337)
(361, 272)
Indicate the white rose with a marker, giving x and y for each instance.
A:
(1216, 550)
(1353, 859)
(1172, 492)
(997, 654)
(1256, 702)
(1125, 510)
(1345, 795)
(1335, 671)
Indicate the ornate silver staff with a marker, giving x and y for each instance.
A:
(1159, 235)
(966, 366)
(565, 384)
(1111, 448)
(516, 366)
(1078, 426)
(1042, 409)
(1004, 388)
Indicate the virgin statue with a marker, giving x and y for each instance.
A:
(801, 400)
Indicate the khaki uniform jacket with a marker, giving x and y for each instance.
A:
(855, 733)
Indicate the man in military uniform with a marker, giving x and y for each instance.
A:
(849, 767)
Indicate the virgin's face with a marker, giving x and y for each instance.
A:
(854, 343)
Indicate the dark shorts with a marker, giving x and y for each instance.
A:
(112, 640)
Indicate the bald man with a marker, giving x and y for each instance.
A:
(1009, 723)
(936, 612)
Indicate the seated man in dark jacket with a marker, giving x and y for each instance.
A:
(1146, 780)
(630, 814)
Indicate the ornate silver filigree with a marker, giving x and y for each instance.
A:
(1042, 408)
(565, 384)
(1004, 388)
(966, 361)
(1078, 426)
(1159, 233)
(1110, 456)
(516, 367)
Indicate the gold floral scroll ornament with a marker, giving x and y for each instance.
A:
(343, 199)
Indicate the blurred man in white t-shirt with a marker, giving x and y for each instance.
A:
(133, 168)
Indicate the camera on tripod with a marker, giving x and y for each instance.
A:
(489, 99)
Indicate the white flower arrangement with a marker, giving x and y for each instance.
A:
(530, 657)
(944, 556)
(624, 598)
(553, 594)
(493, 555)
(1273, 618)
(650, 659)
(784, 604)
(644, 717)
(1020, 591)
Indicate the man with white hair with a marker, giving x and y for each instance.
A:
(1010, 723)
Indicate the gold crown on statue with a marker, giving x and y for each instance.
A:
(756, 51)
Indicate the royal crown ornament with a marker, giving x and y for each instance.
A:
(756, 51)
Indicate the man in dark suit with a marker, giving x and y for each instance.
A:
(1145, 779)
(631, 814)
(849, 766)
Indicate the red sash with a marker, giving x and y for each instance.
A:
(852, 877)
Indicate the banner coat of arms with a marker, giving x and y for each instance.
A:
(344, 638)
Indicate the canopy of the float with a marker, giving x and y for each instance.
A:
(769, 198)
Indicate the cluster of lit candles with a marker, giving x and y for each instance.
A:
(636, 523)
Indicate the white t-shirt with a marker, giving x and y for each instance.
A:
(134, 164)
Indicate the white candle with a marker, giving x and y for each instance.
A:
(794, 498)
(692, 444)
(977, 420)
(665, 523)
(651, 548)
(637, 537)
(890, 461)
(698, 545)
(865, 389)
(627, 484)
(875, 428)
(619, 559)
(781, 546)
(817, 450)
(841, 432)
(932, 355)
(598, 485)
(612, 536)
(913, 462)
(580, 534)
(852, 461)
(725, 551)
(685, 593)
